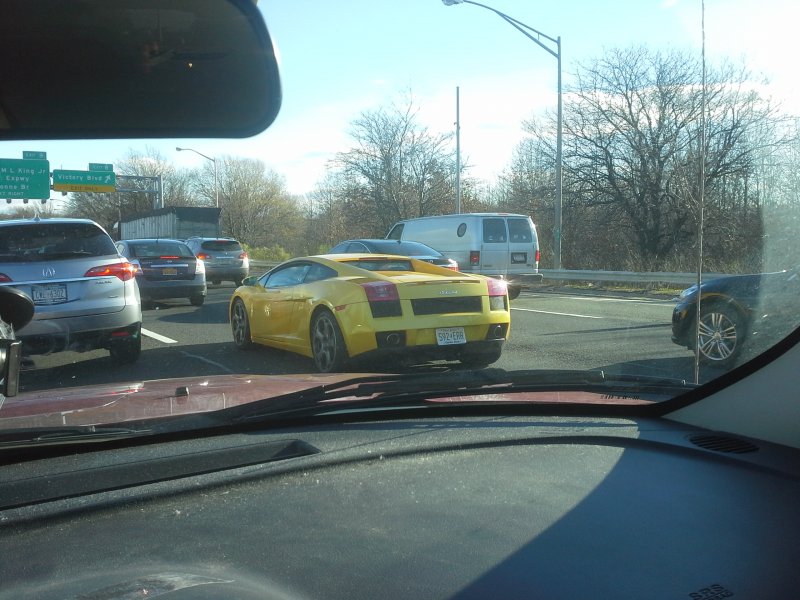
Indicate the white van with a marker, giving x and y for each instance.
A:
(497, 244)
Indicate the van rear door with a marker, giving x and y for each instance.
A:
(522, 246)
(494, 246)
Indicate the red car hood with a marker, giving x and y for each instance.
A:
(117, 403)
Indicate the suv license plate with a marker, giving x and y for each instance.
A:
(53, 293)
(447, 336)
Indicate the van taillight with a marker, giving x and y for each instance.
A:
(474, 257)
(383, 298)
(537, 256)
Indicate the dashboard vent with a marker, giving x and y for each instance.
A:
(721, 443)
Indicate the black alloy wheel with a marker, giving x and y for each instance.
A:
(240, 326)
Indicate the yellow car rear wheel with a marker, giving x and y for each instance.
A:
(327, 343)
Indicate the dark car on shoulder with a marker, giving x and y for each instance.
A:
(738, 313)
(416, 250)
(165, 269)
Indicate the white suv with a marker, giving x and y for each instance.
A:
(84, 292)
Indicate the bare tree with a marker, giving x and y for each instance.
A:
(397, 168)
(256, 208)
(631, 152)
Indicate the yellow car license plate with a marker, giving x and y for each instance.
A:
(446, 336)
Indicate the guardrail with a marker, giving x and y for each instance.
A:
(686, 279)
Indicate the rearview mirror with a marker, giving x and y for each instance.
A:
(135, 69)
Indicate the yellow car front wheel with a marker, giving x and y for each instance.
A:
(240, 326)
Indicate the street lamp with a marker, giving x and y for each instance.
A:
(213, 160)
(525, 29)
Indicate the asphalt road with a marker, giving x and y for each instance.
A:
(548, 331)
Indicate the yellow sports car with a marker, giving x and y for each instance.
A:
(336, 307)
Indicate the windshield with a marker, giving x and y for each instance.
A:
(581, 181)
(156, 249)
(38, 242)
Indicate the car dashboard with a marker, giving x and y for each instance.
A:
(474, 506)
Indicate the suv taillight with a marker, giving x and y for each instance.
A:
(243, 255)
(123, 271)
(383, 298)
(475, 257)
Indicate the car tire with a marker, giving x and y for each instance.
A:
(148, 305)
(514, 291)
(477, 359)
(240, 326)
(238, 282)
(197, 300)
(721, 334)
(327, 343)
(127, 351)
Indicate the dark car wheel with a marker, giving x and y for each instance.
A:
(240, 326)
(720, 334)
(514, 291)
(197, 300)
(327, 344)
(126, 351)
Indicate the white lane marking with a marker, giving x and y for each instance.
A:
(605, 299)
(157, 336)
(211, 362)
(560, 314)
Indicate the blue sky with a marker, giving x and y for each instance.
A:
(341, 57)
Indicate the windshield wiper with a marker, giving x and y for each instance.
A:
(375, 391)
(76, 434)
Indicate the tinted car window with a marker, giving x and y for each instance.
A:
(403, 248)
(156, 249)
(319, 272)
(221, 246)
(519, 230)
(382, 265)
(291, 275)
(53, 241)
(494, 230)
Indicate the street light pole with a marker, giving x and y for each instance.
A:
(526, 30)
(213, 160)
(458, 155)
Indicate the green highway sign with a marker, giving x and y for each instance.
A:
(21, 178)
(29, 154)
(84, 181)
(100, 167)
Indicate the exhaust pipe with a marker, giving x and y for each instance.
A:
(393, 339)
